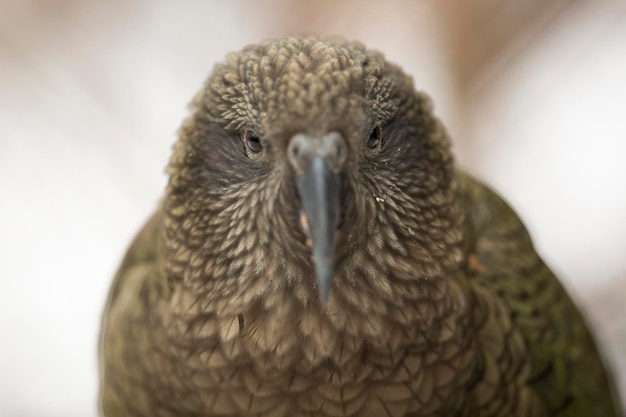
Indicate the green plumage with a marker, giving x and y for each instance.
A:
(439, 304)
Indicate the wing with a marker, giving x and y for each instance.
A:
(563, 367)
(125, 321)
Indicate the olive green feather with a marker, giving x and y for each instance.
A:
(439, 304)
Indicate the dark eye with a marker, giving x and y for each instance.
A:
(253, 141)
(374, 140)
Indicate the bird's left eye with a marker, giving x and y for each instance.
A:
(253, 141)
(374, 140)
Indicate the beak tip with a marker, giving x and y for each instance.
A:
(324, 278)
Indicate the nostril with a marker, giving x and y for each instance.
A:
(294, 149)
(299, 147)
(333, 149)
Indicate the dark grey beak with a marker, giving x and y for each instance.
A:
(317, 162)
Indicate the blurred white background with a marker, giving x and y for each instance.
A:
(92, 93)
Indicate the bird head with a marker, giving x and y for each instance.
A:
(309, 166)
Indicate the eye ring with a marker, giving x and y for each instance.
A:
(375, 137)
(253, 141)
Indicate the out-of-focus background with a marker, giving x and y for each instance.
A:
(92, 93)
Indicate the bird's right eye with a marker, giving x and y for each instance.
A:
(253, 141)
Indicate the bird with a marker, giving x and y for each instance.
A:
(318, 252)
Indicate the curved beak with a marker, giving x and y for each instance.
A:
(319, 191)
(318, 162)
